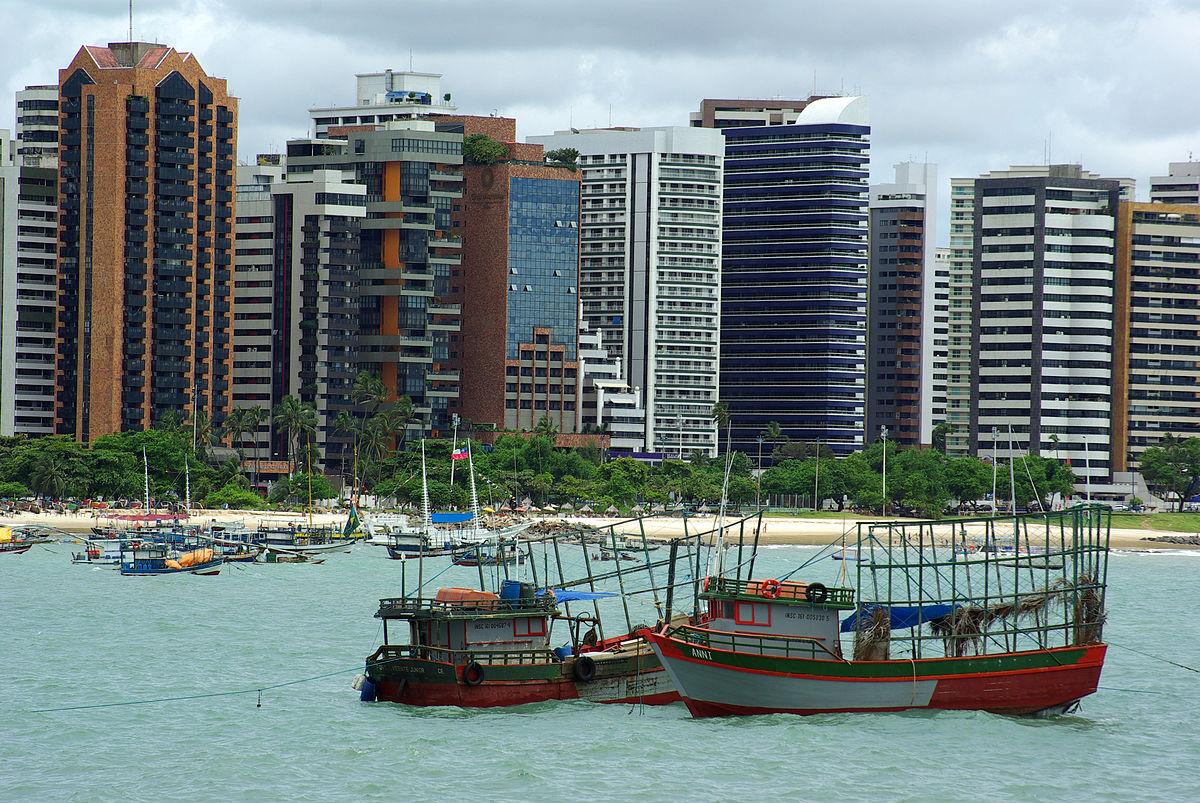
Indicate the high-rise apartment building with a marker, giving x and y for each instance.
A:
(36, 141)
(734, 113)
(1181, 185)
(960, 291)
(33, 342)
(296, 296)
(1044, 315)
(607, 404)
(145, 250)
(794, 268)
(1157, 332)
(519, 225)
(381, 97)
(906, 331)
(650, 232)
(8, 281)
(409, 287)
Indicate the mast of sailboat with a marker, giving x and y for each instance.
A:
(309, 473)
(187, 487)
(474, 496)
(425, 514)
(714, 560)
(1012, 475)
(146, 474)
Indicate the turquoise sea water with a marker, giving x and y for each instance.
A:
(74, 635)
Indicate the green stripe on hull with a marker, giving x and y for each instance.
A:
(900, 668)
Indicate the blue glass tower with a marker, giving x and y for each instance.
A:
(794, 276)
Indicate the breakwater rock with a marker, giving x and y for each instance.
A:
(1186, 540)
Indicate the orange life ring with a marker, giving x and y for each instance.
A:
(770, 589)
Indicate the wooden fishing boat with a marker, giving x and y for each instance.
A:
(274, 554)
(481, 555)
(478, 649)
(99, 552)
(1013, 633)
(240, 554)
(15, 548)
(151, 559)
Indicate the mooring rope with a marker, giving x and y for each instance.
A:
(234, 692)
(1156, 658)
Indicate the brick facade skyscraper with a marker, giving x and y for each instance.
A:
(145, 241)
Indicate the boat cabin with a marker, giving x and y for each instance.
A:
(802, 611)
(459, 625)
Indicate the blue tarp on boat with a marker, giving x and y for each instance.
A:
(577, 596)
(902, 618)
(450, 518)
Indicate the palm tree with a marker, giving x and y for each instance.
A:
(235, 427)
(297, 419)
(201, 429)
(49, 475)
(346, 424)
(368, 392)
(401, 415)
(773, 432)
(720, 415)
(255, 418)
(546, 427)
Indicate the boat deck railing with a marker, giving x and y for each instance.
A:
(786, 591)
(493, 657)
(775, 645)
(407, 607)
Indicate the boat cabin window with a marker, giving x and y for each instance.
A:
(531, 626)
(755, 614)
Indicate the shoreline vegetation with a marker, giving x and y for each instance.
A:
(780, 529)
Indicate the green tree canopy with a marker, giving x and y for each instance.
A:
(480, 149)
(1172, 467)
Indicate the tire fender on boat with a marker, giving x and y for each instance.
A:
(584, 669)
(816, 593)
(473, 673)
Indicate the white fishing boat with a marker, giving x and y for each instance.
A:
(439, 533)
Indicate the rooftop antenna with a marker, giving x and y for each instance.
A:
(410, 60)
(610, 115)
(130, 20)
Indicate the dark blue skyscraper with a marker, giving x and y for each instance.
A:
(794, 269)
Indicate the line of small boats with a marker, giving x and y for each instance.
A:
(153, 551)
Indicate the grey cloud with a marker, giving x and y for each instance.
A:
(972, 85)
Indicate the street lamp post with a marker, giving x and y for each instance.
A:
(679, 435)
(995, 468)
(758, 487)
(454, 446)
(883, 435)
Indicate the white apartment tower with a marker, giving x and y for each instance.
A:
(1044, 273)
(381, 97)
(1180, 186)
(28, 244)
(650, 256)
(296, 296)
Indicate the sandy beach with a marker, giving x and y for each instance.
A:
(778, 530)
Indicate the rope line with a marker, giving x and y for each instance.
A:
(256, 690)
(1157, 658)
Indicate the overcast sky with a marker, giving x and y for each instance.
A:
(973, 85)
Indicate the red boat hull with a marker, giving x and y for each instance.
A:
(500, 695)
(424, 682)
(717, 683)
